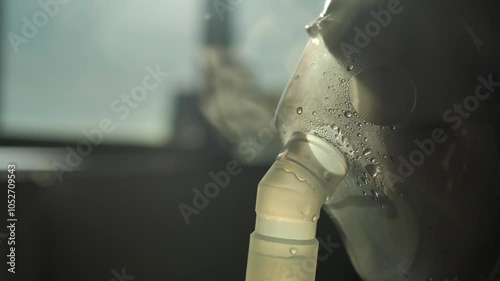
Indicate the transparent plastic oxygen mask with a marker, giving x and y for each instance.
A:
(372, 136)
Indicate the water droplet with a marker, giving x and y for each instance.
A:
(314, 113)
(350, 67)
(327, 176)
(299, 110)
(393, 128)
(374, 193)
(314, 218)
(313, 64)
(372, 169)
(366, 139)
(358, 134)
(293, 251)
(406, 274)
(344, 139)
(324, 73)
(367, 151)
(297, 77)
(372, 160)
(348, 114)
(364, 193)
(312, 30)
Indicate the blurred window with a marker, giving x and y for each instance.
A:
(67, 68)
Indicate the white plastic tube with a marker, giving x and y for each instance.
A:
(289, 199)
